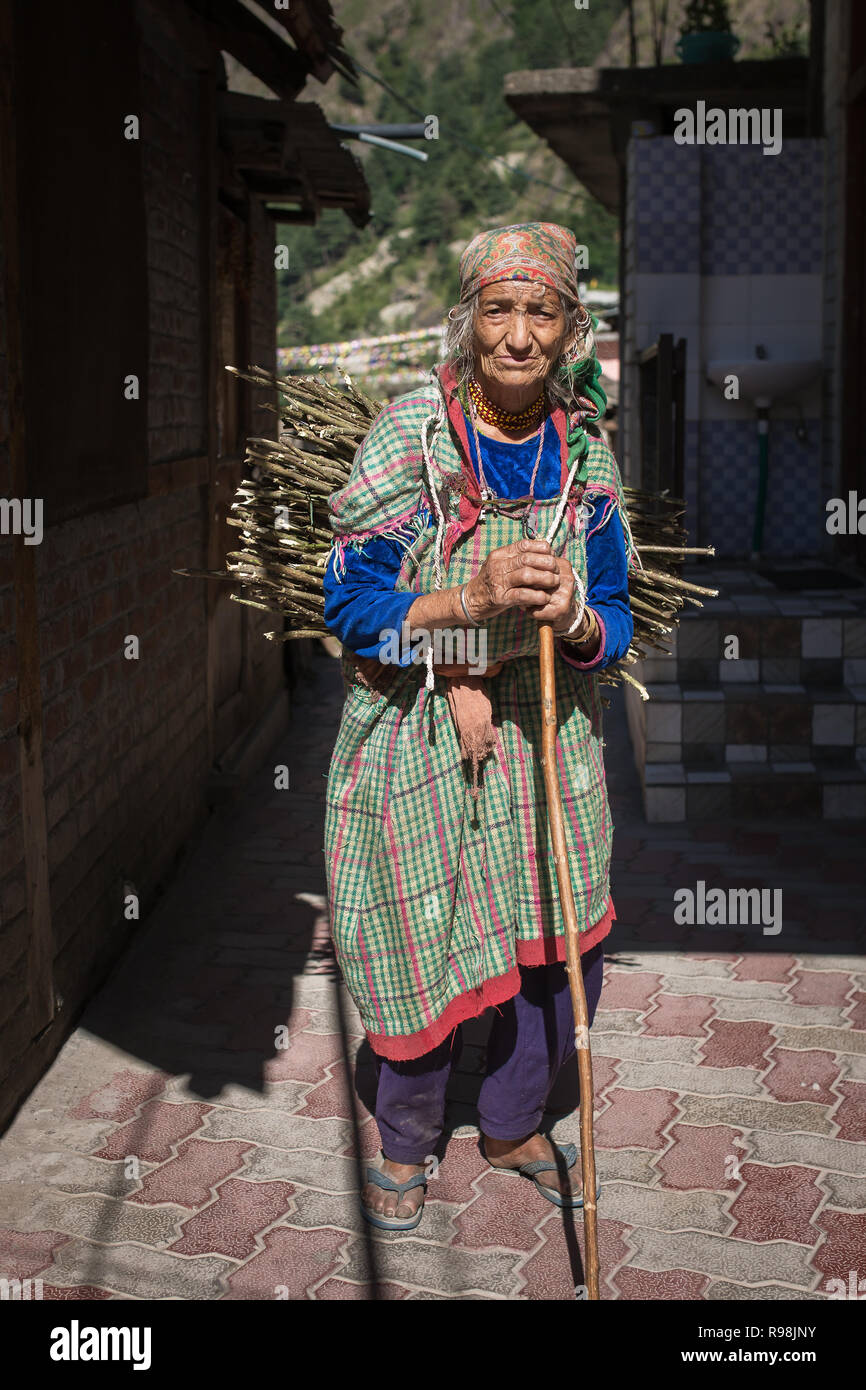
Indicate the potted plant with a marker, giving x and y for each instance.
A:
(705, 33)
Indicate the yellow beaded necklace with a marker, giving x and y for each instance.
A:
(505, 419)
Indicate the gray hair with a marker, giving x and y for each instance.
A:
(460, 347)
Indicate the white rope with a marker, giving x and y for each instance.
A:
(438, 548)
(629, 538)
(426, 447)
(579, 587)
(562, 504)
(580, 591)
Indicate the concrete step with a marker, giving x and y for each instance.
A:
(768, 669)
(749, 750)
(772, 724)
(761, 722)
(807, 790)
(818, 638)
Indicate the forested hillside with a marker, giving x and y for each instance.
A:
(449, 59)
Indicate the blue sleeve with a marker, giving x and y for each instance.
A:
(362, 603)
(607, 592)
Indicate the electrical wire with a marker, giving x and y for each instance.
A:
(459, 140)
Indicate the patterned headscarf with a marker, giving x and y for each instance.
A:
(547, 252)
(525, 251)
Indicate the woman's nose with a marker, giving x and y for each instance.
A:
(518, 333)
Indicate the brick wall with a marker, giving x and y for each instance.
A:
(125, 741)
(172, 174)
(11, 843)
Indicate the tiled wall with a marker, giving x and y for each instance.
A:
(666, 189)
(761, 214)
(727, 471)
(724, 246)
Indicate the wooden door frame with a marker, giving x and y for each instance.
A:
(208, 164)
(40, 936)
(853, 298)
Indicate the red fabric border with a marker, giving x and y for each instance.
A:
(543, 951)
(469, 1005)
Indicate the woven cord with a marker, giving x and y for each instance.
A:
(427, 446)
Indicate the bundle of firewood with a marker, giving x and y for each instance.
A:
(281, 512)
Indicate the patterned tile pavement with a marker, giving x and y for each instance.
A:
(197, 1139)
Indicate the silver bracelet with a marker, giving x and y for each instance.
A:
(591, 631)
(469, 616)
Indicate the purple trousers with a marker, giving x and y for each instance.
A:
(531, 1036)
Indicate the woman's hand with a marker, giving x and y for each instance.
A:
(520, 575)
(527, 575)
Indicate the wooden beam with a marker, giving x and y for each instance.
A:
(307, 179)
(232, 189)
(312, 25)
(853, 291)
(248, 399)
(817, 66)
(302, 217)
(664, 411)
(245, 152)
(254, 131)
(856, 85)
(40, 946)
(236, 30)
(186, 29)
(286, 184)
(316, 170)
(208, 213)
(241, 107)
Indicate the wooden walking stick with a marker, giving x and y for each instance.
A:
(572, 950)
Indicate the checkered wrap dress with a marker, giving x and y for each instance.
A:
(436, 899)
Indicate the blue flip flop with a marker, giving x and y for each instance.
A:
(568, 1153)
(384, 1223)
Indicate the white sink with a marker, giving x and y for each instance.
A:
(764, 380)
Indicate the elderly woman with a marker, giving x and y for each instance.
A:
(487, 500)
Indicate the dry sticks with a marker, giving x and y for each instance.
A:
(281, 512)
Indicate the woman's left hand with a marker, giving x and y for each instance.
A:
(558, 606)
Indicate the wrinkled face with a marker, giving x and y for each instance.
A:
(519, 332)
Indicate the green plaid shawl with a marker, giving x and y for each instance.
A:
(435, 899)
